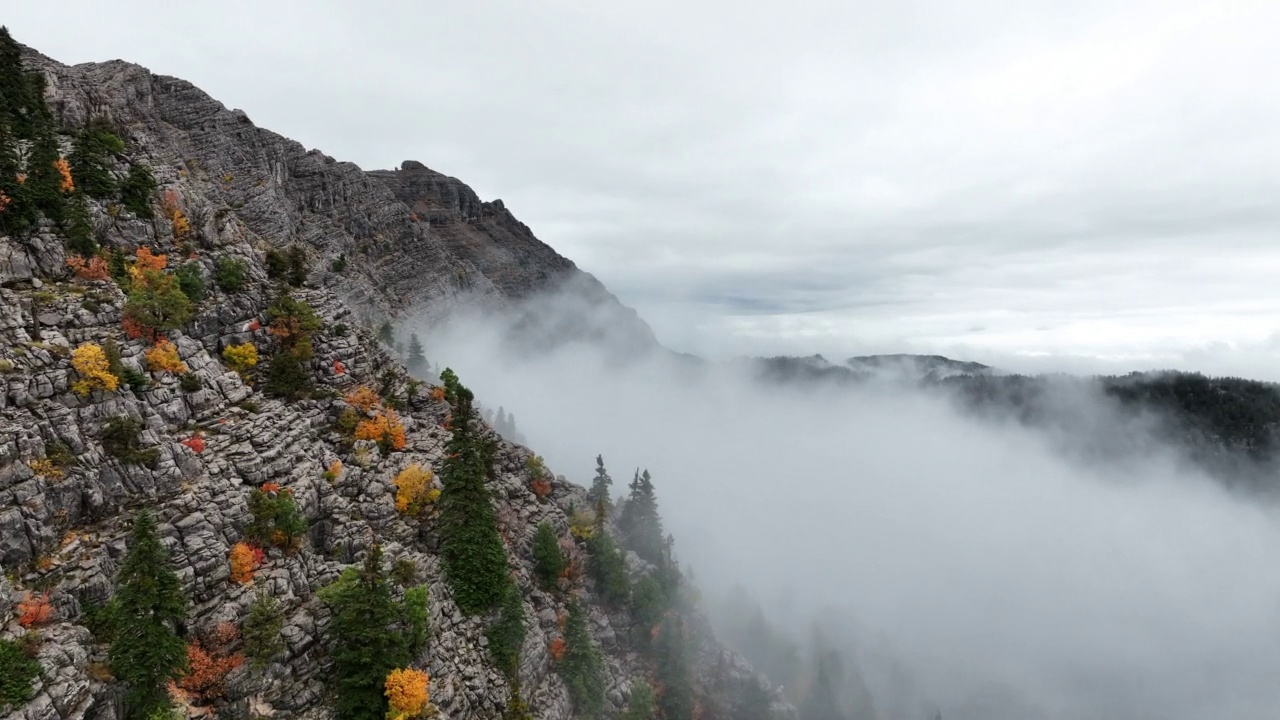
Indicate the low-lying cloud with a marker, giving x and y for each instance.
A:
(1004, 579)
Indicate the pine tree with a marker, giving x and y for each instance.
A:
(146, 652)
(583, 665)
(548, 561)
(821, 702)
(674, 670)
(417, 360)
(598, 495)
(90, 164)
(506, 635)
(261, 630)
(640, 523)
(365, 640)
(642, 705)
(753, 701)
(607, 566)
(475, 560)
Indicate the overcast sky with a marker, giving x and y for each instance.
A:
(1027, 183)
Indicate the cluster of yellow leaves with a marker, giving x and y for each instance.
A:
(385, 428)
(45, 468)
(413, 490)
(240, 357)
(582, 525)
(243, 562)
(64, 169)
(163, 357)
(95, 374)
(181, 225)
(406, 691)
(95, 268)
(363, 399)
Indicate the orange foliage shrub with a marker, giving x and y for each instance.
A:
(245, 558)
(195, 442)
(95, 268)
(34, 610)
(145, 260)
(334, 471)
(207, 672)
(270, 487)
(64, 169)
(437, 393)
(541, 487)
(135, 330)
(557, 649)
(255, 325)
(163, 357)
(339, 368)
(385, 428)
(407, 695)
(181, 226)
(363, 399)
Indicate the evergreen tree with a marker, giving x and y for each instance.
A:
(475, 560)
(386, 333)
(642, 705)
(648, 603)
(417, 361)
(18, 213)
(137, 190)
(506, 636)
(261, 630)
(44, 181)
(607, 566)
(599, 493)
(365, 641)
(548, 561)
(753, 701)
(90, 161)
(821, 702)
(79, 226)
(13, 86)
(674, 670)
(583, 665)
(146, 652)
(640, 523)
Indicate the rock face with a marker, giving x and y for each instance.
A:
(412, 239)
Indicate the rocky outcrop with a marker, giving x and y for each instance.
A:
(411, 239)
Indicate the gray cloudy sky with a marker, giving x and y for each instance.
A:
(1027, 183)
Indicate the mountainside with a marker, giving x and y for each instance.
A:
(186, 311)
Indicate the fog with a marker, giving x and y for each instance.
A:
(1000, 577)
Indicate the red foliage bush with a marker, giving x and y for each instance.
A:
(34, 610)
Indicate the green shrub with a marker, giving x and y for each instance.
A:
(404, 571)
(548, 561)
(339, 264)
(287, 376)
(190, 382)
(229, 273)
(277, 264)
(276, 520)
(122, 439)
(17, 673)
(191, 280)
(157, 303)
(137, 190)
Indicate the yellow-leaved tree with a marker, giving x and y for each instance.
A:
(241, 358)
(95, 372)
(414, 491)
(407, 694)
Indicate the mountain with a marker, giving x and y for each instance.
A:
(188, 307)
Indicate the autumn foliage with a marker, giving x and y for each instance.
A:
(240, 358)
(65, 184)
(181, 225)
(34, 610)
(437, 393)
(245, 559)
(163, 357)
(90, 361)
(363, 399)
(95, 268)
(557, 649)
(384, 428)
(407, 694)
(195, 442)
(207, 669)
(414, 491)
(540, 487)
(146, 261)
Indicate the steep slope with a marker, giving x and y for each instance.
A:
(234, 248)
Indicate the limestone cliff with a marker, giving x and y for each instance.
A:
(361, 245)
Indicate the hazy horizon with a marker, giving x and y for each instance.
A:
(1029, 185)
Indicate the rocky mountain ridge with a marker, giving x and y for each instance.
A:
(293, 254)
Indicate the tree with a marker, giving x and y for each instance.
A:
(548, 561)
(598, 495)
(674, 670)
(475, 560)
(821, 702)
(417, 360)
(753, 701)
(261, 630)
(506, 636)
(642, 705)
(90, 164)
(648, 603)
(156, 302)
(640, 523)
(386, 334)
(229, 273)
(137, 190)
(17, 673)
(366, 636)
(146, 652)
(90, 361)
(583, 665)
(607, 566)
(406, 691)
